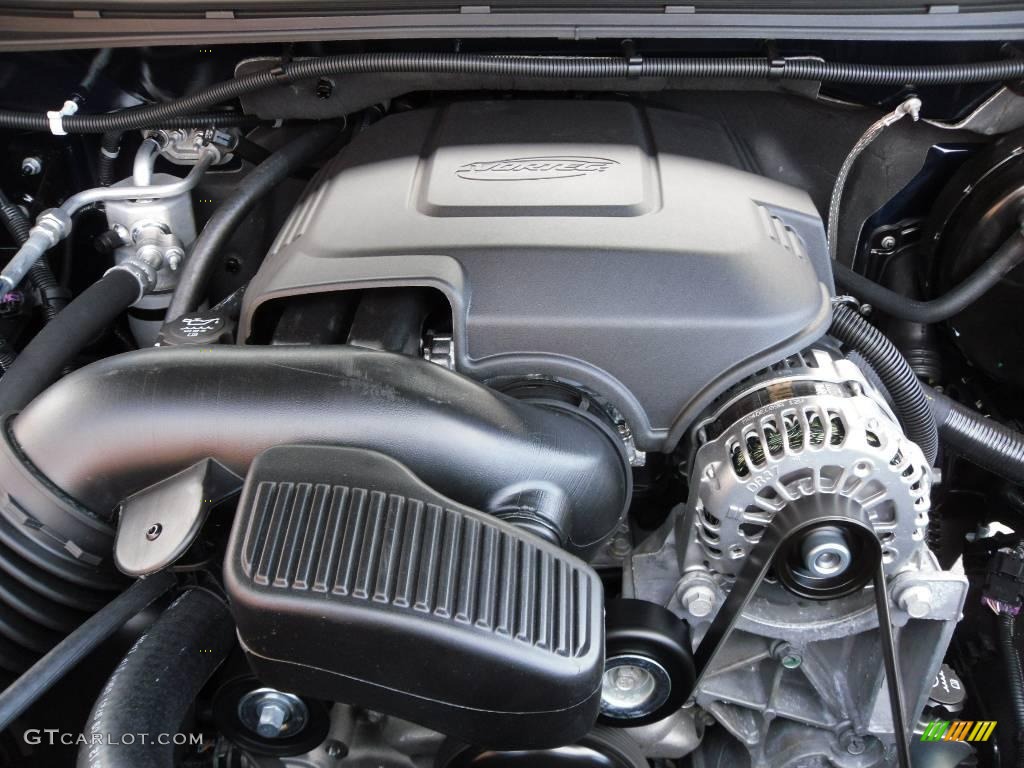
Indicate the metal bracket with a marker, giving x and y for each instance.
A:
(789, 525)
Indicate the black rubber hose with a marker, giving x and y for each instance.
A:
(53, 297)
(126, 422)
(156, 684)
(63, 657)
(985, 442)
(1014, 679)
(908, 396)
(560, 67)
(110, 149)
(56, 345)
(261, 181)
(1008, 256)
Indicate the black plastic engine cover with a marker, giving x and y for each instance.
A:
(351, 580)
(584, 241)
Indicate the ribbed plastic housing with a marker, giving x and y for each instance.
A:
(352, 580)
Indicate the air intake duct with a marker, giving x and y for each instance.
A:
(127, 422)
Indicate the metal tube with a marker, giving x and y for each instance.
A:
(53, 225)
(145, 159)
(149, 192)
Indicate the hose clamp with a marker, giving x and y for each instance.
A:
(634, 66)
(776, 68)
(56, 117)
(849, 301)
(281, 75)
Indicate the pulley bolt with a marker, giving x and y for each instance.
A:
(31, 166)
(272, 717)
(626, 678)
(916, 600)
(826, 553)
(699, 600)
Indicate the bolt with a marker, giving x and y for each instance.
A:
(788, 655)
(626, 678)
(324, 88)
(825, 552)
(174, 258)
(620, 546)
(31, 166)
(699, 600)
(154, 531)
(888, 243)
(916, 600)
(151, 255)
(272, 714)
(272, 717)
(336, 750)
(852, 743)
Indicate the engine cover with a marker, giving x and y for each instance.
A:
(581, 241)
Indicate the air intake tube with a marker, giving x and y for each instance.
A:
(126, 422)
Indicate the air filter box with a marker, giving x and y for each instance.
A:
(352, 580)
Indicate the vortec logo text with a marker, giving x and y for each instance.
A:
(534, 168)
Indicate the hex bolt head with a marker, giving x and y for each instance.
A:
(888, 243)
(31, 166)
(699, 600)
(272, 718)
(916, 600)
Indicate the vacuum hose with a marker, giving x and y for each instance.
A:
(156, 683)
(558, 67)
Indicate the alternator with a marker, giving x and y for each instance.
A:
(808, 426)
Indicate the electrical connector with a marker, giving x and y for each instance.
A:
(1003, 590)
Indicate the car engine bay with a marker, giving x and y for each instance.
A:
(414, 406)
